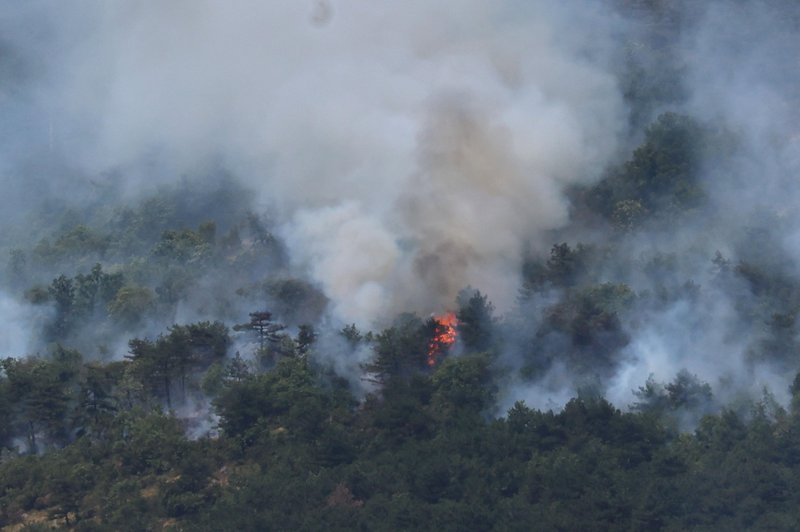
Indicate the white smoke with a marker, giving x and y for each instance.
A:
(411, 148)
(19, 321)
(402, 142)
(740, 77)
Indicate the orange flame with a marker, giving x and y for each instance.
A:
(443, 337)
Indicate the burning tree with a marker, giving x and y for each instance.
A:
(408, 347)
(444, 335)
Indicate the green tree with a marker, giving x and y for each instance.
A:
(97, 406)
(401, 350)
(131, 304)
(566, 266)
(184, 247)
(266, 331)
(96, 289)
(185, 349)
(475, 320)
(41, 393)
(662, 175)
(352, 335)
(62, 292)
(284, 399)
(306, 336)
(584, 330)
(295, 300)
(463, 388)
(237, 370)
(154, 365)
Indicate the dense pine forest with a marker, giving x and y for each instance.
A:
(432, 266)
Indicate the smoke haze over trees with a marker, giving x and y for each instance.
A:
(230, 226)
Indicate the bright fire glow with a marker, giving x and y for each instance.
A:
(444, 336)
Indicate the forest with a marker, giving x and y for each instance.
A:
(558, 290)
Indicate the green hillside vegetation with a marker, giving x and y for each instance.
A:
(184, 434)
(294, 450)
(184, 373)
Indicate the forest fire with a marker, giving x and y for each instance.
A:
(443, 337)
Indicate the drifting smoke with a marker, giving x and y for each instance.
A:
(491, 152)
(740, 70)
(20, 324)
(411, 149)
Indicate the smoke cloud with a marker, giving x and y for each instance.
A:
(408, 150)
(412, 149)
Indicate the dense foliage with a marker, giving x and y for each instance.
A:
(185, 374)
(183, 433)
(296, 451)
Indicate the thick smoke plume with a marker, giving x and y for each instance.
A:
(408, 150)
(411, 148)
